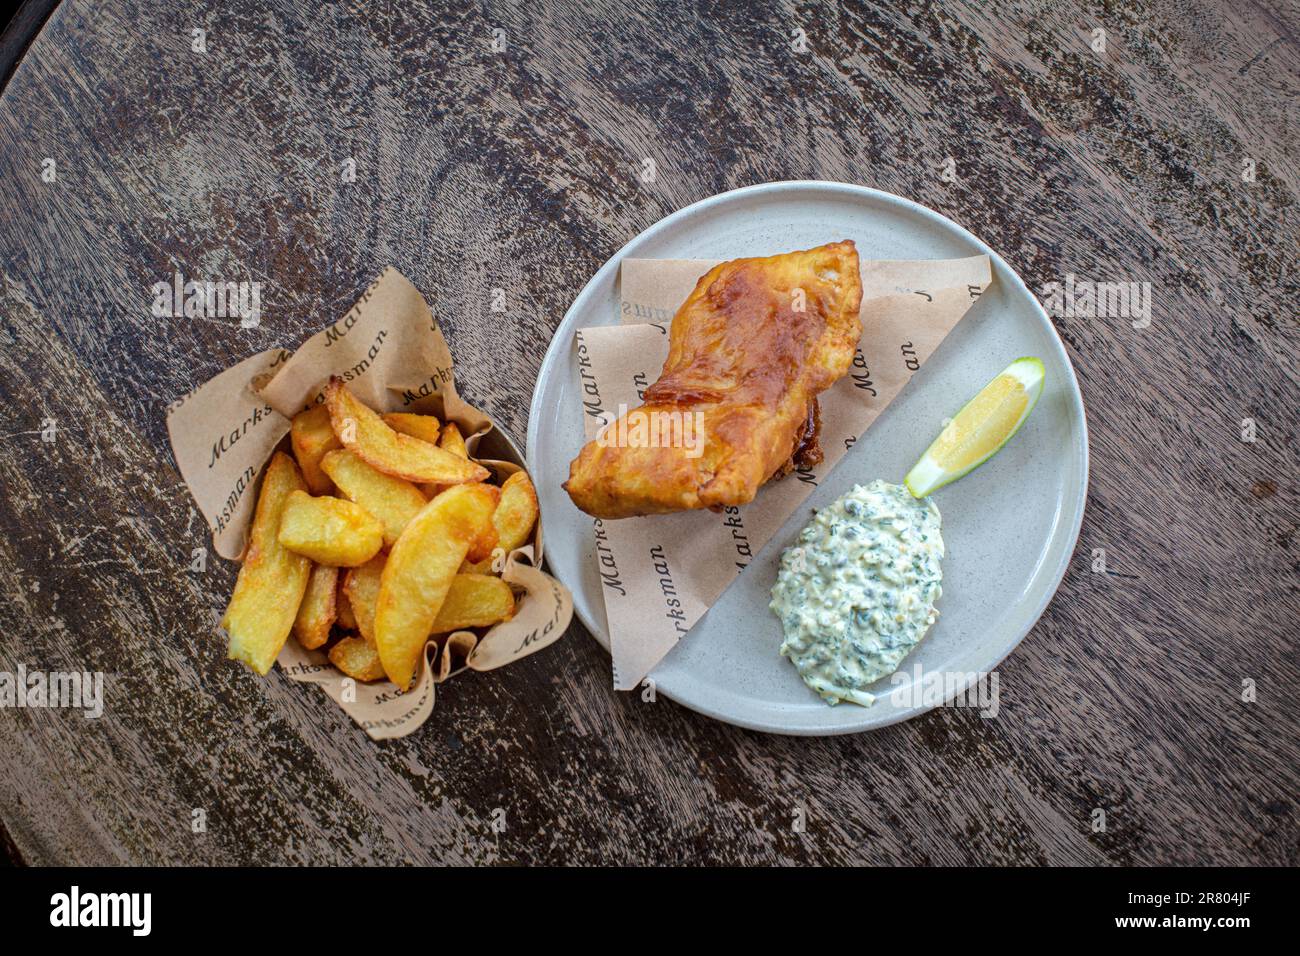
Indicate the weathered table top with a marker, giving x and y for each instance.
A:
(1168, 156)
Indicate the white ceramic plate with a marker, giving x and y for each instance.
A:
(1009, 527)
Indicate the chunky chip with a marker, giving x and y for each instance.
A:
(517, 512)
(453, 441)
(481, 548)
(364, 432)
(419, 572)
(312, 436)
(423, 427)
(474, 600)
(329, 530)
(346, 619)
(319, 607)
(514, 519)
(272, 579)
(357, 659)
(361, 585)
(393, 501)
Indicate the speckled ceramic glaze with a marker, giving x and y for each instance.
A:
(1009, 527)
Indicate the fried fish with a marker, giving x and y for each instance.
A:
(748, 353)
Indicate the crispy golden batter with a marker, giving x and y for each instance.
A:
(745, 354)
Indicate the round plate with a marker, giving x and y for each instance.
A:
(1009, 527)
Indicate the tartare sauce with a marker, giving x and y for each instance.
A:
(857, 592)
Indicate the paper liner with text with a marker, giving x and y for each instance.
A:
(390, 351)
(661, 573)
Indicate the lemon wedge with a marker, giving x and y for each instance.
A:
(980, 429)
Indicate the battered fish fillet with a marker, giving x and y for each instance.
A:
(749, 349)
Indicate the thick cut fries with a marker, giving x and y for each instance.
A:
(517, 512)
(424, 427)
(330, 531)
(393, 501)
(312, 436)
(474, 600)
(346, 619)
(514, 519)
(419, 573)
(481, 548)
(364, 432)
(358, 483)
(451, 440)
(319, 607)
(361, 585)
(272, 580)
(357, 659)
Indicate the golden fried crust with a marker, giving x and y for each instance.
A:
(749, 349)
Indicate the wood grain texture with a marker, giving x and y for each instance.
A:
(519, 170)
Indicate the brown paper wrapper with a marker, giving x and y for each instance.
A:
(661, 573)
(390, 351)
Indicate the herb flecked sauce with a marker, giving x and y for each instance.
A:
(857, 592)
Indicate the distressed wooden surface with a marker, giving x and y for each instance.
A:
(519, 170)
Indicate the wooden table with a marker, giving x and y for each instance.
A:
(1168, 156)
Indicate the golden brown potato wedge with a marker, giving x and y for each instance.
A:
(346, 619)
(312, 436)
(329, 530)
(357, 659)
(481, 548)
(514, 519)
(393, 501)
(272, 579)
(517, 513)
(319, 607)
(361, 585)
(419, 572)
(364, 432)
(452, 441)
(424, 427)
(474, 600)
